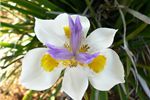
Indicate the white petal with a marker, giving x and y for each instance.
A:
(112, 74)
(75, 82)
(49, 31)
(100, 39)
(63, 21)
(33, 76)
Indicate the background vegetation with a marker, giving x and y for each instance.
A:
(132, 42)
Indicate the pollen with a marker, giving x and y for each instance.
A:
(67, 31)
(97, 65)
(67, 46)
(48, 63)
(70, 63)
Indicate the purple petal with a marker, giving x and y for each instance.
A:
(58, 53)
(85, 57)
(76, 32)
(78, 26)
(71, 24)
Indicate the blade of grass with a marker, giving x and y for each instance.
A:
(28, 95)
(92, 12)
(50, 5)
(132, 34)
(144, 85)
(92, 95)
(10, 45)
(26, 12)
(29, 5)
(121, 93)
(34, 8)
(137, 14)
(128, 51)
(103, 95)
(12, 26)
(72, 7)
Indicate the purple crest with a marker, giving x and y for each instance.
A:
(75, 42)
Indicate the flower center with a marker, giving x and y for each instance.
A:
(74, 52)
(48, 63)
(71, 63)
(97, 65)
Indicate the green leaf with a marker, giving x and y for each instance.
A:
(50, 5)
(29, 5)
(92, 95)
(121, 93)
(28, 95)
(137, 14)
(128, 63)
(144, 85)
(103, 95)
(12, 26)
(133, 34)
(24, 11)
(10, 45)
(42, 12)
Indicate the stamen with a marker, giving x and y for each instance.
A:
(67, 46)
(84, 48)
(70, 63)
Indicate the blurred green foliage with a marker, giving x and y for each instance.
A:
(102, 13)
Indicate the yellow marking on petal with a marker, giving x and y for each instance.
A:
(48, 63)
(67, 31)
(97, 65)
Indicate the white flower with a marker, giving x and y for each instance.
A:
(84, 59)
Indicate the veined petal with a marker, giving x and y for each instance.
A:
(112, 74)
(33, 75)
(85, 57)
(75, 82)
(49, 31)
(101, 38)
(63, 21)
(59, 53)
